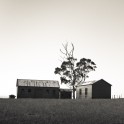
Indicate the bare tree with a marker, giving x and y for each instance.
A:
(73, 73)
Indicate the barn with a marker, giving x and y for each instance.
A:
(27, 88)
(94, 90)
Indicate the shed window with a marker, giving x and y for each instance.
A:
(22, 90)
(86, 92)
(80, 91)
(54, 92)
(47, 91)
(29, 90)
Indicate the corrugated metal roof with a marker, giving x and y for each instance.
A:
(91, 82)
(37, 83)
(86, 83)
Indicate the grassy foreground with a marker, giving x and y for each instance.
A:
(58, 111)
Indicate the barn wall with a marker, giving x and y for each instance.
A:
(37, 92)
(101, 90)
(23, 92)
(46, 92)
(82, 94)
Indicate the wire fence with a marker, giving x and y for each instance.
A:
(117, 96)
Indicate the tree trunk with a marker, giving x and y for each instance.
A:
(73, 92)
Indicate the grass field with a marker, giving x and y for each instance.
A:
(58, 111)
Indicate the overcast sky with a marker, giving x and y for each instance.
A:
(32, 32)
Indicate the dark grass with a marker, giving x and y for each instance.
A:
(58, 111)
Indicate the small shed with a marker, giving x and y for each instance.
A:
(94, 90)
(65, 93)
(27, 88)
(12, 96)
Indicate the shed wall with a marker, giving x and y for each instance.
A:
(80, 92)
(101, 90)
(37, 92)
(65, 94)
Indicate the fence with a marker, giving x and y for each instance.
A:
(117, 96)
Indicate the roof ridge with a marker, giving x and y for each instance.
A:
(36, 79)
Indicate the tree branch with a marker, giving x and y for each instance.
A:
(72, 51)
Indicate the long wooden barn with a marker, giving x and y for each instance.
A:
(94, 90)
(27, 88)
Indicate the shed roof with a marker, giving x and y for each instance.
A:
(89, 82)
(92, 82)
(37, 83)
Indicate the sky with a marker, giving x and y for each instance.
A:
(32, 33)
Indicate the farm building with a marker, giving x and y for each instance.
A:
(37, 88)
(65, 93)
(94, 89)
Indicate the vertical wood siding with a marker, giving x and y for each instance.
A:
(37, 92)
(101, 90)
(81, 95)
